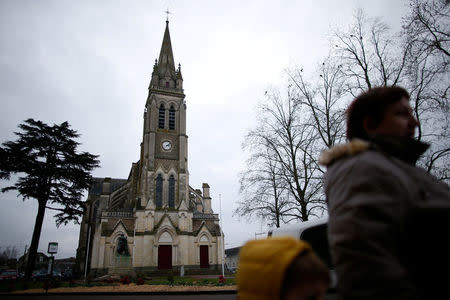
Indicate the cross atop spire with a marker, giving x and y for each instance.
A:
(167, 13)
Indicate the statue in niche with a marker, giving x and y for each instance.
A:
(122, 246)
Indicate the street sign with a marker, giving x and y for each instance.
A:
(52, 248)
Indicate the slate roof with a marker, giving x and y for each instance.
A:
(232, 251)
(97, 187)
(110, 225)
(213, 228)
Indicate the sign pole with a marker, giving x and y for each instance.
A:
(52, 249)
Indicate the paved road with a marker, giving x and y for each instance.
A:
(121, 297)
(131, 297)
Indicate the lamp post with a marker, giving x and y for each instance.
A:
(221, 231)
(87, 251)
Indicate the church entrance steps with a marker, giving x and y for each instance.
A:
(201, 272)
(121, 272)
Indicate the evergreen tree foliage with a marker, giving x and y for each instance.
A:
(50, 170)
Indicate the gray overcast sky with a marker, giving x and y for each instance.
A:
(90, 62)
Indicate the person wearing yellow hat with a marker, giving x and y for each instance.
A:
(280, 268)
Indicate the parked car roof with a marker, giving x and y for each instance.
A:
(295, 230)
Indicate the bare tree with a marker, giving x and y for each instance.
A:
(8, 256)
(416, 58)
(263, 191)
(283, 178)
(426, 38)
(428, 89)
(427, 27)
(369, 55)
(324, 97)
(8, 252)
(285, 132)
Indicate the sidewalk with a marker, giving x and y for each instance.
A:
(135, 289)
(209, 276)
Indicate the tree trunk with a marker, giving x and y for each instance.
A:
(35, 239)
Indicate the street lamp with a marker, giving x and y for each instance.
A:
(221, 230)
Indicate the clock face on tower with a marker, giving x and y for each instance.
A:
(166, 145)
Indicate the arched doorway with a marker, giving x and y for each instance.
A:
(165, 251)
(204, 256)
(204, 252)
(164, 257)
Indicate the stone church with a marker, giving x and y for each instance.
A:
(153, 221)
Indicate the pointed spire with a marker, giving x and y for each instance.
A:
(166, 63)
(179, 76)
(155, 66)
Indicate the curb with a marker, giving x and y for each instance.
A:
(227, 292)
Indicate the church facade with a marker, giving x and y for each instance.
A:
(153, 221)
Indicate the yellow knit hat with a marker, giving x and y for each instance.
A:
(262, 264)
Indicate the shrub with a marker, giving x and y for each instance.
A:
(140, 281)
(221, 279)
(46, 285)
(125, 280)
(11, 286)
(54, 283)
(89, 279)
(24, 285)
(170, 277)
(108, 280)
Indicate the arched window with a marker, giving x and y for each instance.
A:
(159, 189)
(162, 116)
(171, 191)
(172, 118)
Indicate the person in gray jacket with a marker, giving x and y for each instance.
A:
(389, 220)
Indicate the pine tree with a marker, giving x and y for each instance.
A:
(51, 171)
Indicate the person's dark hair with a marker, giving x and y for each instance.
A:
(371, 104)
(305, 268)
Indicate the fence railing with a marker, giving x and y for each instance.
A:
(118, 214)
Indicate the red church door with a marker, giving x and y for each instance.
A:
(204, 258)
(165, 257)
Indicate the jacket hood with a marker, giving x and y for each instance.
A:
(406, 149)
(338, 151)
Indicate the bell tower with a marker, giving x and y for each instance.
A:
(154, 213)
(164, 181)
